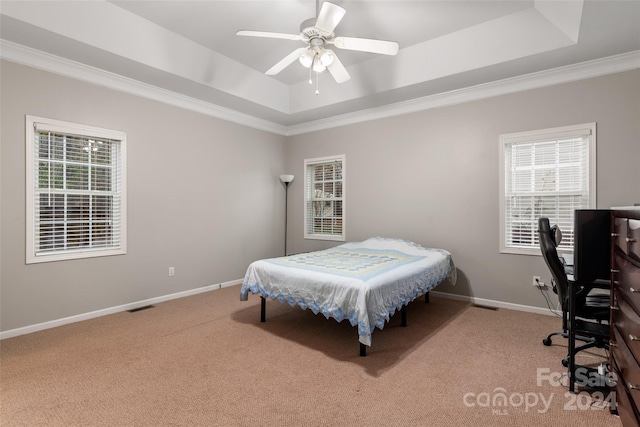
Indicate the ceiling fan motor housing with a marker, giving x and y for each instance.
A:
(310, 32)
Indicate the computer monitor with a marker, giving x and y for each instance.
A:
(592, 245)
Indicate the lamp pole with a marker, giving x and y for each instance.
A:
(286, 209)
(286, 179)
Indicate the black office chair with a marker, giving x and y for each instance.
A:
(590, 308)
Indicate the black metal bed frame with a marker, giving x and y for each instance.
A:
(363, 348)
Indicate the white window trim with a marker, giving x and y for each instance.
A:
(339, 238)
(552, 133)
(33, 124)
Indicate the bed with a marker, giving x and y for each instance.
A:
(364, 282)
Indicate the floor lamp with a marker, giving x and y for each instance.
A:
(286, 180)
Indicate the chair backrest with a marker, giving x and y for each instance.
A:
(550, 254)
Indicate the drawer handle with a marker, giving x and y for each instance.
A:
(612, 344)
(633, 338)
(633, 290)
(633, 386)
(615, 271)
(614, 234)
(630, 240)
(614, 307)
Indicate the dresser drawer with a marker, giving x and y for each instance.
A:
(634, 239)
(626, 409)
(627, 322)
(628, 368)
(620, 228)
(627, 281)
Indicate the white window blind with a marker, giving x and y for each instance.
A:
(547, 173)
(324, 201)
(76, 187)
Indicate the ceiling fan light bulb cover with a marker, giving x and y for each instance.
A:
(326, 58)
(306, 59)
(318, 67)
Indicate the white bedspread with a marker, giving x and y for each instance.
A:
(364, 282)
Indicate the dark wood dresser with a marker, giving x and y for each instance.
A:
(625, 312)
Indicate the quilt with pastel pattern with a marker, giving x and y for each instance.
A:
(364, 282)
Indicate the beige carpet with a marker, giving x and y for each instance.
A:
(206, 360)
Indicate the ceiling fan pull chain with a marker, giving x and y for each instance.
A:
(317, 82)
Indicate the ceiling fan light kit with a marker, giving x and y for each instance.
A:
(317, 33)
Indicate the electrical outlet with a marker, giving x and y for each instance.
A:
(172, 271)
(537, 282)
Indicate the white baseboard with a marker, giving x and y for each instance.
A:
(98, 313)
(111, 310)
(498, 304)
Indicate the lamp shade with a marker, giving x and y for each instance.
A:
(286, 178)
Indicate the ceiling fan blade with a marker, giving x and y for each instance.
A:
(269, 35)
(337, 70)
(286, 61)
(366, 45)
(329, 17)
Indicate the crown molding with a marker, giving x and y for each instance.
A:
(44, 61)
(47, 62)
(584, 70)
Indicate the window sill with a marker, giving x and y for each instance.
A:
(324, 237)
(35, 259)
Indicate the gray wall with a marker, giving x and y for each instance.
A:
(203, 196)
(432, 176)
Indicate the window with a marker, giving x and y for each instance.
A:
(324, 202)
(548, 173)
(76, 204)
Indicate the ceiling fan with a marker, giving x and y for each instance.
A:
(317, 33)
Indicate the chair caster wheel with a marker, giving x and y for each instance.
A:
(546, 341)
(565, 363)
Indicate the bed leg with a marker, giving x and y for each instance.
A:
(426, 297)
(363, 350)
(263, 309)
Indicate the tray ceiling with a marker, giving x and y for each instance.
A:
(186, 52)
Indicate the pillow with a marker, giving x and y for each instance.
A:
(557, 235)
